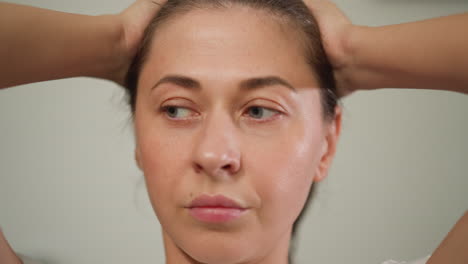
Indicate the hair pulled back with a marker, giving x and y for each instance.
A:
(293, 12)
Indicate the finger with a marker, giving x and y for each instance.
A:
(321, 5)
(326, 9)
(145, 6)
(156, 3)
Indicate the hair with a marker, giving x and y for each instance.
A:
(293, 12)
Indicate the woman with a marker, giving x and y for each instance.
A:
(216, 191)
(231, 126)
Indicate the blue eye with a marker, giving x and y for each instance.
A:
(176, 112)
(254, 112)
(258, 112)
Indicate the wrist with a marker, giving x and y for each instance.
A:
(347, 72)
(115, 59)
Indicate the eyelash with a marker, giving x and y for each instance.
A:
(277, 114)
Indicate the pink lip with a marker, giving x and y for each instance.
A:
(215, 209)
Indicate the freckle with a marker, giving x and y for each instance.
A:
(191, 195)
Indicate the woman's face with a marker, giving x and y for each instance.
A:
(227, 105)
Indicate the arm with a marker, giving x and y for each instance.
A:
(453, 248)
(39, 44)
(7, 256)
(428, 54)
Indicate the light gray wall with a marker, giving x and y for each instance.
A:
(71, 193)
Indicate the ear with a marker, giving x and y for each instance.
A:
(332, 131)
(138, 158)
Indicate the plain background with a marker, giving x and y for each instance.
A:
(70, 191)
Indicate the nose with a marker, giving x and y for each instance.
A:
(217, 153)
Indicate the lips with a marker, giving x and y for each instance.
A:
(216, 201)
(215, 209)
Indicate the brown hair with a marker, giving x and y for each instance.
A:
(294, 12)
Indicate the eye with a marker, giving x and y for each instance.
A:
(176, 112)
(262, 113)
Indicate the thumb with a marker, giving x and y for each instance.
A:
(143, 9)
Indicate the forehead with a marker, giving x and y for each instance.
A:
(227, 44)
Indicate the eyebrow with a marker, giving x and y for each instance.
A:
(246, 85)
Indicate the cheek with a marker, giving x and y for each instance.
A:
(161, 155)
(284, 172)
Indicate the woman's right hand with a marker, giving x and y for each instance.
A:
(134, 21)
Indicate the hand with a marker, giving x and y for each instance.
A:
(134, 21)
(7, 255)
(335, 28)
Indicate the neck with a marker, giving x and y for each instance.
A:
(277, 255)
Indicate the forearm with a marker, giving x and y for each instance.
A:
(7, 255)
(429, 54)
(38, 44)
(453, 248)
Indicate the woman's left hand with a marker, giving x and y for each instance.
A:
(335, 28)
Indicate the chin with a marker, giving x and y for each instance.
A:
(218, 251)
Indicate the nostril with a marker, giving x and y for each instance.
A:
(227, 167)
(198, 168)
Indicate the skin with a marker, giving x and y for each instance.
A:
(215, 145)
(453, 247)
(366, 58)
(69, 45)
(7, 255)
(363, 58)
(101, 46)
(426, 54)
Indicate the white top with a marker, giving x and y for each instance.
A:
(27, 260)
(419, 261)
